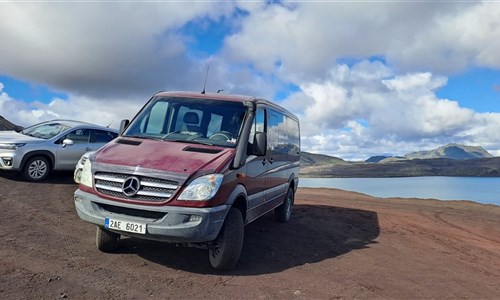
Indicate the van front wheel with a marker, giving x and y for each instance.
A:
(106, 241)
(284, 211)
(227, 249)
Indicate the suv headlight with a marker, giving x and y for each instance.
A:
(202, 188)
(86, 174)
(11, 146)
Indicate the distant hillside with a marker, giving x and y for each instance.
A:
(478, 167)
(452, 151)
(6, 125)
(310, 159)
(376, 159)
(448, 160)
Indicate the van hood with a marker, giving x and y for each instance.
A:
(16, 137)
(175, 157)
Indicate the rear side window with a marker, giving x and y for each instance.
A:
(102, 136)
(283, 134)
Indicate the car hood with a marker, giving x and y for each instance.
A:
(16, 137)
(175, 157)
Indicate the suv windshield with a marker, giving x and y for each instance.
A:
(45, 130)
(203, 121)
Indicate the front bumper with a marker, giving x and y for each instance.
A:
(165, 223)
(8, 161)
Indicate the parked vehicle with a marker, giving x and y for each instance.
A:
(53, 145)
(192, 169)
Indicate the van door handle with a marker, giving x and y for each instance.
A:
(88, 149)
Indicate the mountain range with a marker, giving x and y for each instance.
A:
(452, 151)
(449, 160)
(7, 125)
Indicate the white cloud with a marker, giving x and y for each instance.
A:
(303, 41)
(100, 111)
(108, 58)
(102, 49)
(355, 114)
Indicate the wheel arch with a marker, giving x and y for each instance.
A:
(238, 199)
(293, 182)
(44, 153)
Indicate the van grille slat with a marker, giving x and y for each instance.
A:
(151, 189)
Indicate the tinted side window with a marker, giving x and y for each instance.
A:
(283, 134)
(79, 136)
(273, 130)
(293, 134)
(102, 136)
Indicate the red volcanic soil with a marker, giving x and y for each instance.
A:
(338, 245)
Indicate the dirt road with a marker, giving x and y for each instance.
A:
(338, 245)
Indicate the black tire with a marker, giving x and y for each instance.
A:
(105, 240)
(36, 168)
(283, 212)
(227, 250)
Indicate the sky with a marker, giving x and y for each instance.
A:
(365, 78)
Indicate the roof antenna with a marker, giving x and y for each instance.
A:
(109, 124)
(221, 90)
(205, 85)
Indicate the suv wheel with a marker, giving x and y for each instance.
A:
(226, 252)
(284, 211)
(105, 240)
(36, 169)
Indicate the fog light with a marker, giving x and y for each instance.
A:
(194, 218)
(7, 161)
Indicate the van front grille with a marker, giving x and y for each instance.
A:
(143, 188)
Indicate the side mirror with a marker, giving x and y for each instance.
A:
(259, 146)
(123, 125)
(67, 142)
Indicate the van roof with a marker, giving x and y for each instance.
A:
(224, 97)
(215, 96)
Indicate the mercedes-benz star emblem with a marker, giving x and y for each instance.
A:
(131, 186)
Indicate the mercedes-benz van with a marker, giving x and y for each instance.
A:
(193, 169)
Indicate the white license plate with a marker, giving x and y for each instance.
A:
(125, 226)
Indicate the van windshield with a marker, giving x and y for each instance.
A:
(203, 121)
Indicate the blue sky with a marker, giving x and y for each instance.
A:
(364, 78)
(475, 88)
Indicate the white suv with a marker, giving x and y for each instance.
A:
(51, 145)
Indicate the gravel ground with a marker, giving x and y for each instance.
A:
(338, 245)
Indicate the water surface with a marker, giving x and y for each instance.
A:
(478, 189)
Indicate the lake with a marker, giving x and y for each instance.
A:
(478, 189)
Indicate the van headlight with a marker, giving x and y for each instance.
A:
(202, 188)
(86, 174)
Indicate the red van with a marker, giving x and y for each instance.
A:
(193, 169)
